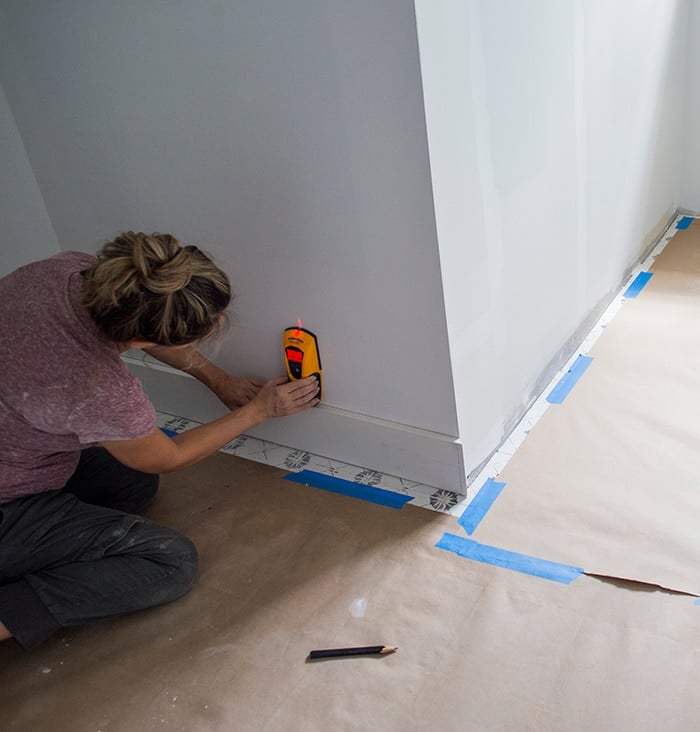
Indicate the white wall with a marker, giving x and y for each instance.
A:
(289, 140)
(292, 140)
(690, 193)
(555, 145)
(26, 233)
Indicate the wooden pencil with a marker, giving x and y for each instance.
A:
(357, 651)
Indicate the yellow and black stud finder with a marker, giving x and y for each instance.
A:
(301, 355)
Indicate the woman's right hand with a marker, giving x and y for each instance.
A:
(281, 397)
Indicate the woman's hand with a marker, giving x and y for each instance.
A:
(235, 391)
(280, 397)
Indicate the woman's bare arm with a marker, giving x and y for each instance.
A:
(158, 453)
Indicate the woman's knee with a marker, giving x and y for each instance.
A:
(183, 559)
(187, 566)
(134, 491)
(100, 479)
(165, 561)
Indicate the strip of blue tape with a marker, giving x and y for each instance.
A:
(697, 602)
(480, 506)
(569, 380)
(685, 222)
(169, 433)
(348, 488)
(471, 549)
(638, 284)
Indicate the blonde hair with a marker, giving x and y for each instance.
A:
(149, 287)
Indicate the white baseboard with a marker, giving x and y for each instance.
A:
(406, 452)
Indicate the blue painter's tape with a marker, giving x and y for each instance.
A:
(479, 507)
(471, 549)
(638, 285)
(169, 433)
(348, 488)
(685, 222)
(569, 380)
(697, 602)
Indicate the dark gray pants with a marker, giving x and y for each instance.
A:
(79, 555)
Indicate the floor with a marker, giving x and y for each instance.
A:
(286, 568)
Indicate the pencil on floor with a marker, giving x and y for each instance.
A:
(357, 651)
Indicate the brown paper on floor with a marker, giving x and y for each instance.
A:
(282, 568)
(609, 481)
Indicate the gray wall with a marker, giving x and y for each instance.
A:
(26, 233)
(690, 198)
(555, 133)
(287, 138)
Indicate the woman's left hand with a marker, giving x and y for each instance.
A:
(235, 391)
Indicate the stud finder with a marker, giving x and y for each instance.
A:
(301, 355)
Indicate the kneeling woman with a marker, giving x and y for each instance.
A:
(80, 452)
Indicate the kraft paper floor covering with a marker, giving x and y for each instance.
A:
(607, 481)
(286, 568)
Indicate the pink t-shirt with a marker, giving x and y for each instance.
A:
(63, 385)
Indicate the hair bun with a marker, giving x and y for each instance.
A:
(171, 276)
(162, 264)
(149, 287)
